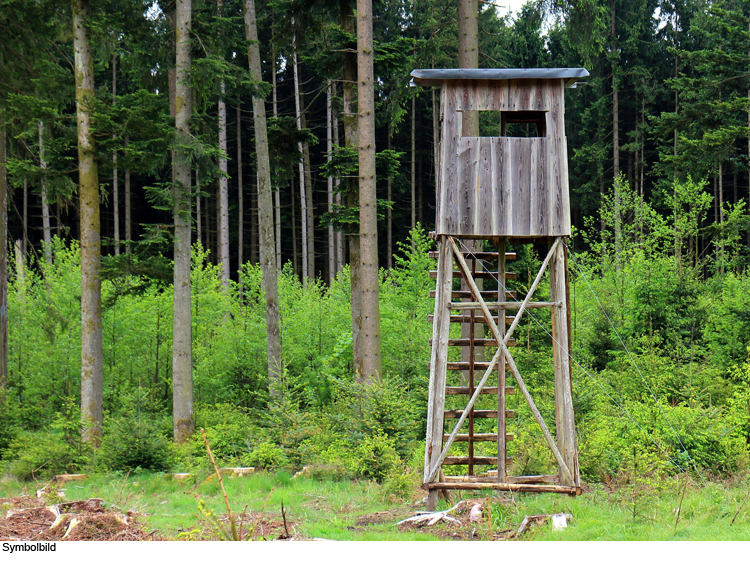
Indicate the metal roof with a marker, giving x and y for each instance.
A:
(435, 77)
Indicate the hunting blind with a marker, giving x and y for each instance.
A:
(502, 178)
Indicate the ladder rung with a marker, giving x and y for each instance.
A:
(475, 460)
(486, 294)
(464, 390)
(478, 342)
(464, 437)
(463, 366)
(479, 413)
(532, 479)
(502, 305)
(466, 319)
(478, 275)
(483, 255)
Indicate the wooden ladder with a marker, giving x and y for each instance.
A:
(473, 306)
(463, 308)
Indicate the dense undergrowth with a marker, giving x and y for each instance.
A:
(677, 398)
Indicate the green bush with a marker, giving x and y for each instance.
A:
(267, 456)
(42, 454)
(129, 444)
(375, 457)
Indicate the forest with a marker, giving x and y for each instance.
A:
(214, 217)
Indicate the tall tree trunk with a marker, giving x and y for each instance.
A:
(198, 221)
(309, 202)
(182, 334)
(351, 138)
(265, 201)
(368, 214)
(337, 197)
(47, 235)
(721, 219)
(276, 189)
(240, 195)
(300, 147)
(296, 262)
(3, 267)
(413, 161)
(115, 187)
(88, 190)
(223, 225)
(128, 210)
(329, 194)
(25, 220)
(389, 212)
(468, 57)
(616, 140)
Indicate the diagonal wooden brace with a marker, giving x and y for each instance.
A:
(502, 348)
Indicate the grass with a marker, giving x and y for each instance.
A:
(329, 509)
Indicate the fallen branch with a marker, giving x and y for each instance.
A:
(431, 518)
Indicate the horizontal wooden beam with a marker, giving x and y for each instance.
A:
(486, 294)
(482, 255)
(478, 342)
(474, 460)
(506, 487)
(479, 413)
(465, 319)
(492, 275)
(464, 437)
(486, 390)
(501, 305)
(463, 366)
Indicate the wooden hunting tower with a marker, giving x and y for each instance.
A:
(503, 178)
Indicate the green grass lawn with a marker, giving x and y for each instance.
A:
(350, 510)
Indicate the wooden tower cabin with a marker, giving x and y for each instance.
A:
(503, 179)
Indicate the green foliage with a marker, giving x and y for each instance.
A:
(130, 443)
(375, 457)
(267, 456)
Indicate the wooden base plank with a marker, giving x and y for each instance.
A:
(503, 487)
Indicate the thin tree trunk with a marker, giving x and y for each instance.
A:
(240, 195)
(616, 142)
(25, 220)
(300, 147)
(368, 215)
(115, 181)
(182, 348)
(45, 204)
(296, 262)
(389, 212)
(277, 190)
(265, 202)
(128, 210)
(309, 202)
(468, 57)
(337, 197)
(721, 218)
(3, 267)
(351, 138)
(329, 195)
(198, 224)
(413, 161)
(88, 184)
(223, 217)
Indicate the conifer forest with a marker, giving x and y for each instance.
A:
(215, 215)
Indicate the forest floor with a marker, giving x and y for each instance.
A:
(149, 506)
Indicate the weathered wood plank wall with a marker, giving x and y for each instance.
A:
(503, 186)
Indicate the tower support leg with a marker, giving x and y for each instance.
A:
(564, 419)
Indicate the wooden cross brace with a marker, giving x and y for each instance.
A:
(502, 349)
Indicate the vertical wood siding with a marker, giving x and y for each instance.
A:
(503, 186)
